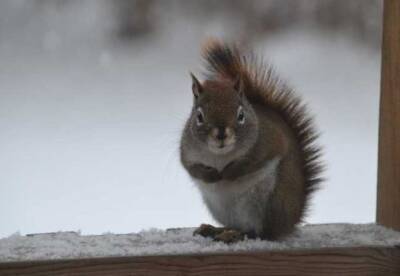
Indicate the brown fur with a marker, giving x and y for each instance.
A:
(299, 171)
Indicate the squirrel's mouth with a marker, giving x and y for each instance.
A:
(221, 147)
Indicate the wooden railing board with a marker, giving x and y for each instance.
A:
(327, 261)
(388, 199)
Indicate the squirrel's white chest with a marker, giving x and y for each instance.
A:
(240, 204)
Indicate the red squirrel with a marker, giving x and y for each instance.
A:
(249, 145)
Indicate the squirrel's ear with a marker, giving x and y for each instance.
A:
(238, 86)
(196, 86)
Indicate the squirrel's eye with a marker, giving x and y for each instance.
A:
(199, 117)
(240, 116)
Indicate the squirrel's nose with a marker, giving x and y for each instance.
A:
(221, 133)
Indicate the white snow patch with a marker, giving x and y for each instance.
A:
(72, 245)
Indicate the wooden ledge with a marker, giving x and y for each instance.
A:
(327, 261)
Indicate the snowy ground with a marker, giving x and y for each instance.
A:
(69, 245)
(90, 129)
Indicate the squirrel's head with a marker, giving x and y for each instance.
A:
(222, 119)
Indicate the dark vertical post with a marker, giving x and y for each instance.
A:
(388, 201)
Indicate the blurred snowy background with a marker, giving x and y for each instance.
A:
(94, 94)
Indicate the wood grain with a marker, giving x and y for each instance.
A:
(388, 201)
(333, 261)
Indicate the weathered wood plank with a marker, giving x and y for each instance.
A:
(333, 261)
(388, 201)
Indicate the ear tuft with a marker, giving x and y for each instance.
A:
(196, 86)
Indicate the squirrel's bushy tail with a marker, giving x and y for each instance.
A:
(226, 61)
(262, 86)
(222, 60)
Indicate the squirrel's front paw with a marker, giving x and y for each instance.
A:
(212, 175)
(229, 236)
(205, 173)
(231, 171)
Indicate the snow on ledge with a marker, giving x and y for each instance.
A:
(72, 245)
